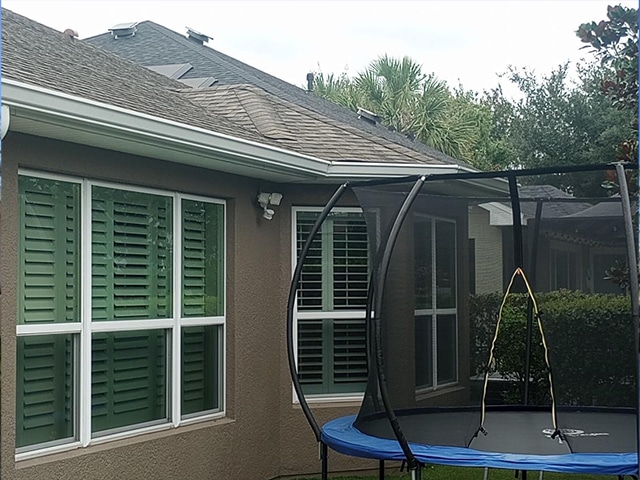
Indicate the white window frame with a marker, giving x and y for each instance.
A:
(319, 315)
(84, 329)
(434, 311)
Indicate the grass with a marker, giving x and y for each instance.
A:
(439, 472)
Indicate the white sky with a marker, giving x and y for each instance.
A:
(467, 41)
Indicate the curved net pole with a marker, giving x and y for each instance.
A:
(295, 281)
(633, 277)
(381, 274)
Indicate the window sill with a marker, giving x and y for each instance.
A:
(332, 401)
(75, 449)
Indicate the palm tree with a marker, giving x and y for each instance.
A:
(406, 99)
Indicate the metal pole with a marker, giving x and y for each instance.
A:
(533, 257)
(324, 458)
(377, 333)
(633, 279)
(293, 369)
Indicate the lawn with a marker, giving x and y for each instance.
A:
(453, 473)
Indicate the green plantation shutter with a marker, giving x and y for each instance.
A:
(332, 352)
(131, 255)
(201, 377)
(202, 259)
(311, 354)
(45, 389)
(48, 292)
(49, 251)
(310, 291)
(128, 378)
(350, 262)
(131, 280)
(349, 352)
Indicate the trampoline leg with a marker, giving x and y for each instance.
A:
(417, 473)
(381, 470)
(324, 453)
(486, 473)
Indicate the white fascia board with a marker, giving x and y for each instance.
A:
(40, 101)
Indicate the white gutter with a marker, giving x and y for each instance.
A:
(62, 110)
(68, 108)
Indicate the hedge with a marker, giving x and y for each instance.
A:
(591, 341)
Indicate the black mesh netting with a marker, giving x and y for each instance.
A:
(436, 307)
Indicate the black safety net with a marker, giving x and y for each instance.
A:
(497, 301)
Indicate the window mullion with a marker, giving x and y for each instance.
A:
(85, 312)
(176, 334)
(434, 306)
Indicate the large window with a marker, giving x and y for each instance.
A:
(435, 302)
(121, 311)
(331, 303)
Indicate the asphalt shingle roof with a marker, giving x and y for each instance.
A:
(300, 129)
(38, 55)
(155, 45)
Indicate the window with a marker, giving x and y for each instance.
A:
(435, 300)
(331, 303)
(564, 268)
(121, 310)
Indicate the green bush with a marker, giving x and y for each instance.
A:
(591, 341)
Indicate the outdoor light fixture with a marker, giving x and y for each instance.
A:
(265, 200)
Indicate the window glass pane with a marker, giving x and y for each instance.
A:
(335, 273)
(45, 389)
(202, 259)
(445, 264)
(447, 349)
(424, 351)
(131, 255)
(49, 251)
(423, 263)
(201, 368)
(129, 378)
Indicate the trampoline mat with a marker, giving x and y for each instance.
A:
(597, 441)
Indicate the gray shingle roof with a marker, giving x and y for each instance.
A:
(300, 129)
(38, 55)
(154, 44)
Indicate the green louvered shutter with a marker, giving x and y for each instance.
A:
(48, 293)
(131, 255)
(202, 259)
(202, 296)
(49, 251)
(128, 378)
(131, 280)
(332, 352)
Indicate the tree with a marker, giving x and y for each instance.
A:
(411, 102)
(559, 122)
(615, 44)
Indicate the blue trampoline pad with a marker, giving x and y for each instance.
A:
(343, 437)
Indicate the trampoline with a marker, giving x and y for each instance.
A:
(502, 323)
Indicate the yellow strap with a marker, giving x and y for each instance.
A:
(520, 272)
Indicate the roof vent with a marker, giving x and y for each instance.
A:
(197, 36)
(368, 116)
(123, 30)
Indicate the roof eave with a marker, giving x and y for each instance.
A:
(48, 113)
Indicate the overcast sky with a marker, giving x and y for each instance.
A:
(461, 41)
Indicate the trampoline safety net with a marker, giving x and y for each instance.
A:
(502, 316)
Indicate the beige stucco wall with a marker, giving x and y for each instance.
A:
(264, 434)
(488, 251)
